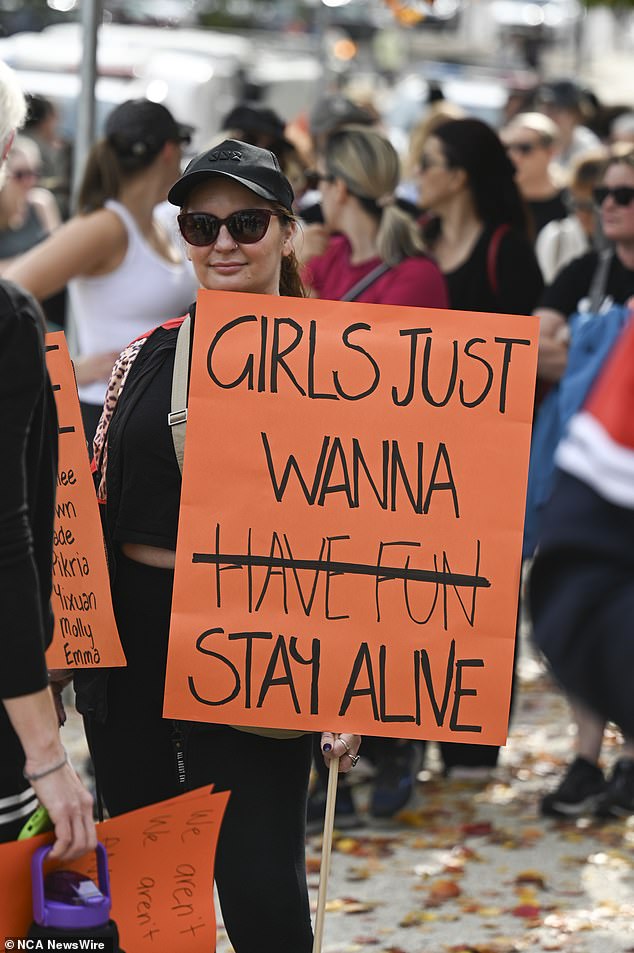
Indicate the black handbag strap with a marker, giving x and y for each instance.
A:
(357, 289)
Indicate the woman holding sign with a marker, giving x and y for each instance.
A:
(238, 225)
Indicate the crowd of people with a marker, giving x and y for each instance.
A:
(536, 217)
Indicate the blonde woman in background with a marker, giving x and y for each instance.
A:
(28, 214)
(373, 242)
(531, 141)
(370, 236)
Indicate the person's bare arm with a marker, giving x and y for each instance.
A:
(53, 779)
(94, 367)
(552, 355)
(86, 245)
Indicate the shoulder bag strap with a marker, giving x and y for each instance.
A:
(365, 282)
(177, 418)
(600, 279)
(492, 256)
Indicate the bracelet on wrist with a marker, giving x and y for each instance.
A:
(38, 775)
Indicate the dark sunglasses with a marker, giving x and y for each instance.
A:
(21, 174)
(247, 226)
(623, 195)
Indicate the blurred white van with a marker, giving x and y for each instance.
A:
(198, 74)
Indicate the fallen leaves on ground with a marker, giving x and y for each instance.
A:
(471, 867)
(349, 905)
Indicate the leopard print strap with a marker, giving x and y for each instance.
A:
(119, 375)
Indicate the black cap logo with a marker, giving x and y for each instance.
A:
(225, 155)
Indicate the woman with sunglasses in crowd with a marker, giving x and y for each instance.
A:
(583, 787)
(530, 139)
(122, 268)
(614, 199)
(374, 250)
(477, 225)
(563, 240)
(28, 214)
(479, 234)
(374, 254)
(239, 227)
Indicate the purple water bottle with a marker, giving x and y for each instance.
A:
(66, 903)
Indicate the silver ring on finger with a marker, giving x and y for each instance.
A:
(354, 758)
(345, 744)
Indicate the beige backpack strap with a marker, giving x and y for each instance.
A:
(177, 418)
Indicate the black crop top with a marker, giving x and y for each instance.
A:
(150, 475)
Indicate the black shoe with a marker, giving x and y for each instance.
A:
(617, 799)
(394, 781)
(578, 792)
(346, 817)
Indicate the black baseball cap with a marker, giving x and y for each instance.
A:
(254, 117)
(140, 127)
(257, 169)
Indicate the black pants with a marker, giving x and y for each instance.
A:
(260, 863)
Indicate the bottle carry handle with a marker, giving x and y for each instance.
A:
(37, 878)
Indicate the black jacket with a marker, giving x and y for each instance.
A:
(28, 449)
(28, 473)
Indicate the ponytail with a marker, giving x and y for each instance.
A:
(101, 179)
(104, 174)
(369, 165)
(398, 236)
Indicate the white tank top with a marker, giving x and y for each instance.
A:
(111, 310)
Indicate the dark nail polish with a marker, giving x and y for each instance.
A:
(327, 747)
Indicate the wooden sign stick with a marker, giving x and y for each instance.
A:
(326, 850)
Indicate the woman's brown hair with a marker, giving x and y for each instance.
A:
(291, 284)
(104, 174)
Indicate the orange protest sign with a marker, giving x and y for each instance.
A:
(351, 518)
(85, 633)
(161, 864)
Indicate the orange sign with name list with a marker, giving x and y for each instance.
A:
(161, 865)
(349, 545)
(85, 633)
